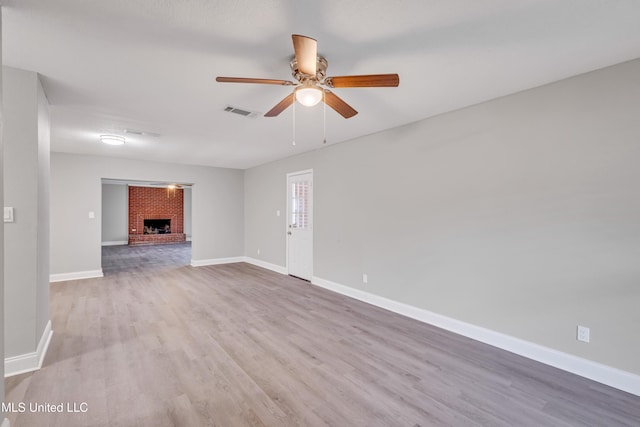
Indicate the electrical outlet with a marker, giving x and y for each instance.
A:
(583, 333)
(365, 279)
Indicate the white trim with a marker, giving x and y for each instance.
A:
(604, 374)
(273, 267)
(215, 261)
(6, 423)
(231, 260)
(116, 243)
(76, 275)
(302, 172)
(30, 361)
(188, 238)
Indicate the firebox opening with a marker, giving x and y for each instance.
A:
(157, 226)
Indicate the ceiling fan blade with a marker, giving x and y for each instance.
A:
(367, 80)
(249, 80)
(306, 50)
(341, 107)
(281, 106)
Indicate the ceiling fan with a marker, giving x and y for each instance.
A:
(309, 70)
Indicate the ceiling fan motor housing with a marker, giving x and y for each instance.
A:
(321, 70)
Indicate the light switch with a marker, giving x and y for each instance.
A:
(278, 213)
(8, 214)
(92, 215)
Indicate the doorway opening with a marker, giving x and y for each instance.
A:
(156, 235)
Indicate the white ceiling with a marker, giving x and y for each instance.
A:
(150, 65)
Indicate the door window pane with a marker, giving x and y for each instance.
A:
(300, 205)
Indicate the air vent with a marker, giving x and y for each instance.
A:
(140, 132)
(240, 111)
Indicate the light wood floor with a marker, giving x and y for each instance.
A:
(237, 345)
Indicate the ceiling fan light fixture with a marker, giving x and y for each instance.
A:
(112, 139)
(308, 95)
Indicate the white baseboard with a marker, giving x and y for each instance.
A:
(116, 243)
(31, 361)
(215, 261)
(61, 277)
(604, 374)
(188, 238)
(267, 265)
(230, 260)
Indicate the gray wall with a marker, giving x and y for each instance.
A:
(520, 215)
(115, 211)
(43, 163)
(1, 225)
(26, 189)
(217, 212)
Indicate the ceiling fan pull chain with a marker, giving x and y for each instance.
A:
(324, 116)
(293, 138)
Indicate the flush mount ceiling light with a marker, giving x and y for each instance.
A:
(112, 139)
(308, 94)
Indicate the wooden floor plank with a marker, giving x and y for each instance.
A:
(159, 343)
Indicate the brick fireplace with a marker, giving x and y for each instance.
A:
(156, 215)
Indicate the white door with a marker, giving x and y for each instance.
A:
(300, 224)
